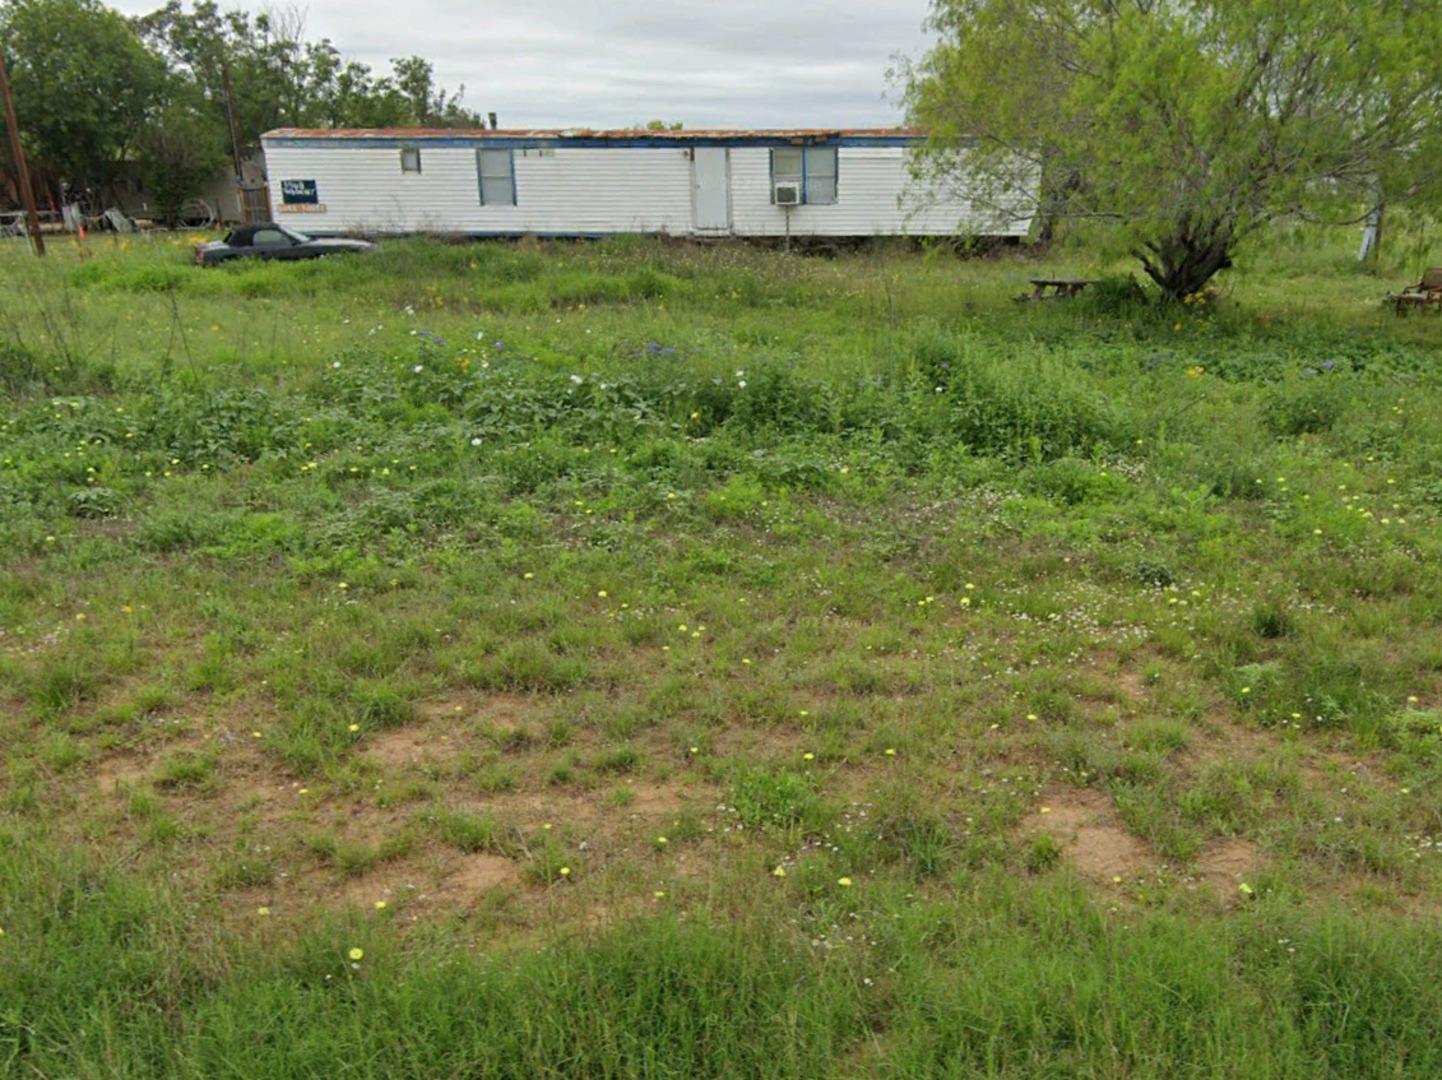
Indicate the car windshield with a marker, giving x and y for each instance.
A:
(242, 237)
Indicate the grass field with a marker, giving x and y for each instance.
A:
(634, 659)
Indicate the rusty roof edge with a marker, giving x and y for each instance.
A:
(589, 133)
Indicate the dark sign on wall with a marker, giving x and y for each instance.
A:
(293, 192)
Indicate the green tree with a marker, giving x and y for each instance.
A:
(344, 93)
(83, 85)
(430, 106)
(265, 56)
(181, 150)
(279, 79)
(1188, 124)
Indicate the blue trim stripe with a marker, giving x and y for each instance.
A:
(580, 142)
(576, 234)
(503, 234)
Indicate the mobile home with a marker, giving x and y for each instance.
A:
(804, 182)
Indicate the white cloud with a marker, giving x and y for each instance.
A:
(559, 63)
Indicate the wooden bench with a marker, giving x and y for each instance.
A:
(1060, 288)
(1427, 291)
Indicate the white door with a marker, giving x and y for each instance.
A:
(710, 194)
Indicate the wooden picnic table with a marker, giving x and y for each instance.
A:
(1061, 288)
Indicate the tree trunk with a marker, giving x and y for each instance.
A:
(1054, 200)
(1184, 262)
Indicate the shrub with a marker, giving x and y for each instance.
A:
(530, 666)
(623, 759)
(1154, 573)
(765, 798)
(187, 769)
(1310, 404)
(470, 833)
(1271, 619)
(1073, 482)
(1117, 295)
(1028, 404)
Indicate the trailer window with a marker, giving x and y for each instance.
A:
(786, 168)
(496, 170)
(812, 167)
(410, 159)
(821, 174)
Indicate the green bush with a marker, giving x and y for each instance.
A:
(1119, 296)
(1022, 403)
(763, 798)
(1073, 482)
(1310, 403)
(470, 833)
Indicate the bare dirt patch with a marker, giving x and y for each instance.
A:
(1226, 864)
(1228, 741)
(651, 799)
(457, 881)
(595, 812)
(403, 747)
(115, 773)
(392, 885)
(474, 875)
(449, 725)
(774, 744)
(503, 712)
(136, 767)
(1133, 686)
(1083, 822)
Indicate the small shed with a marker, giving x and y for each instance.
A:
(774, 183)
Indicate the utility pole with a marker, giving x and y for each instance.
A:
(26, 192)
(230, 120)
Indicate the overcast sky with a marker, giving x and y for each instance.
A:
(612, 63)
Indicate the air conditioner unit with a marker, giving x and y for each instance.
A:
(788, 194)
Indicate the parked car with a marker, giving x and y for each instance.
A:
(271, 241)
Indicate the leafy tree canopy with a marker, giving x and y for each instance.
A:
(281, 80)
(1186, 123)
(82, 82)
(429, 105)
(181, 150)
(94, 90)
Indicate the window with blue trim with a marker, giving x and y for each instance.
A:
(811, 167)
(497, 173)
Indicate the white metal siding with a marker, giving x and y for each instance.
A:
(572, 191)
(875, 196)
